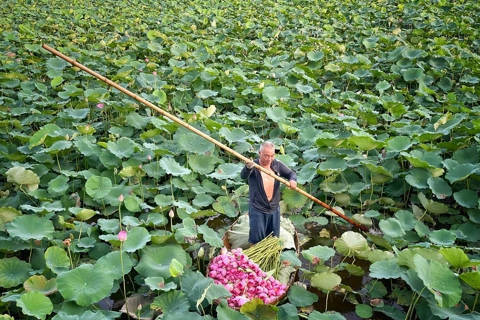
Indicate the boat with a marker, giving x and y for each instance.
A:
(296, 242)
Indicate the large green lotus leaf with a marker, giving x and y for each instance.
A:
(155, 260)
(293, 199)
(234, 135)
(423, 159)
(210, 236)
(112, 263)
(383, 85)
(472, 279)
(460, 172)
(379, 255)
(364, 142)
(272, 95)
(202, 164)
(315, 55)
(171, 301)
(398, 144)
(330, 315)
(469, 79)
(405, 257)
(122, 148)
(45, 207)
(301, 297)
(256, 309)
(184, 205)
(137, 121)
(137, 238)
(418, 178)
(133, 203)
(57, 260)
(158, 283)
(439, 187)
(203, 200)
(96, 94)
(58, 146)
(287, 311)
(35, 304)
(56, 63)
(7, 214)
(227, 171)
(432, 206)
(13, 272)
(193, 143)
(58, 186)
(98, 187)
(412, 74)
(354, 270)
(41, 284)
(392, 228)
(351, 243)
(380, 241)
(307, 173)
(173, 167)
(204, 94)
(364, 311)
(326, 281)
(386, 269)
(225, 206)
(322, 252)
(473, 214)
(28, 227)
(411, 54)
(445, 84)
(163, 200)
(39, 137)
(442, 237)
(84, 315)
(303, 89)
(439, 280)
(466, 198)
(457, 258)
(154, 170)
(24, 178)
(406, 219)
(86, 284)
(227, 313)
(333, 164)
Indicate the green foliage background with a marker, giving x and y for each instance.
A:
(374, 104)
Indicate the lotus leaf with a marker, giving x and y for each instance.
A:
(171, 301)
(23, 177)
(301, 297)
(86, 284)
(385, 269)
(28, 227)
(35, 304)
(439, 280)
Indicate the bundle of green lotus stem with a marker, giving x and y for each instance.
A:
(266, 254)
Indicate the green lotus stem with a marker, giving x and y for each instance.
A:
(123, 277)
(326, 301)
(472, 309)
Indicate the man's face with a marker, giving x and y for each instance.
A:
(267, 154)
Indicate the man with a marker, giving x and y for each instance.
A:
(264, 193)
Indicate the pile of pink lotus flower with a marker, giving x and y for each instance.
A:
(243, 278)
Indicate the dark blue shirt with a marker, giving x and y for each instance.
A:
(257, 196)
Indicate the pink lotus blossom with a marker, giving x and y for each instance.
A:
(154, 73)
(100, 106)
(146, 59)
(122, 235)
(171, 214)
(120, 198)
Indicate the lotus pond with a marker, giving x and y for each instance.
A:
(110, 211)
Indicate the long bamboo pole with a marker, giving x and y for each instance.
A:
(200, 133)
